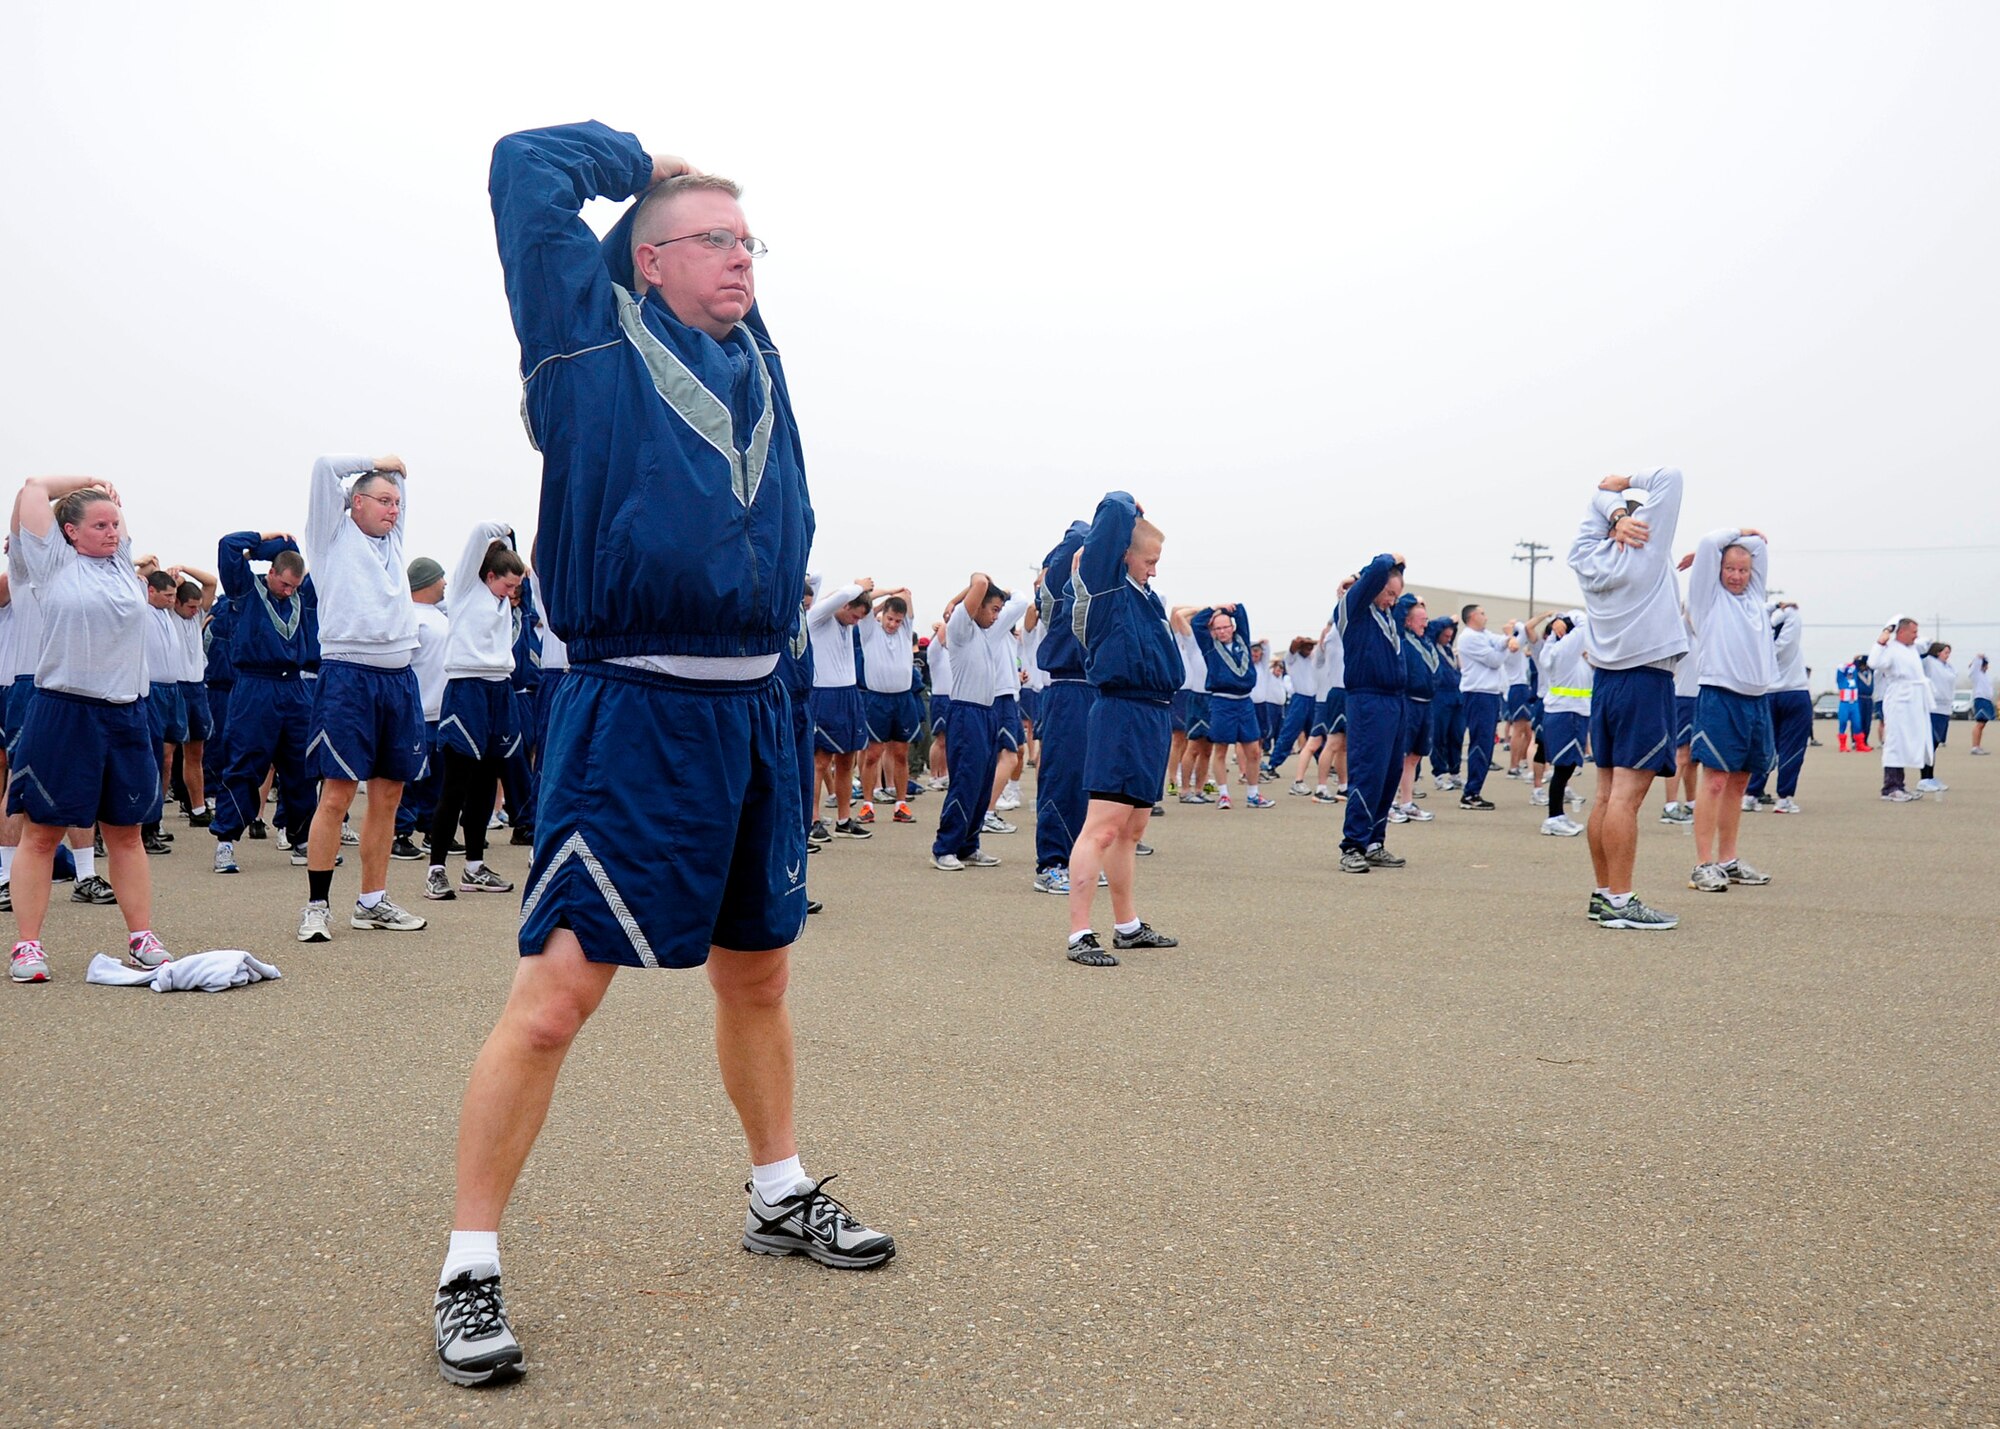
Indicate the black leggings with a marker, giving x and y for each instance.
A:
(1559, 786)
(467, 787)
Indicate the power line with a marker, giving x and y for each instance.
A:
(1533, 558)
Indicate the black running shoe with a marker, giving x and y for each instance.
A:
(521, 838)
(810, 1222)
(817, 832)
(1144, 936)
(154, 844)
(475, 1344)
(813, 905)
(851, 829)
(1143, 850)
(259, 829)
(405, 848)
(1473, 801)
(199, 819)
(1090, 953)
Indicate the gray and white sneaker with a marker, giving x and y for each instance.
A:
(810, 1222)
(1354, 861)
(947, 863)
(1636, 915)
(995, 824)
(1708, 878)
(225, 858)
(1142, 849)
(1415, 815)
(1380, 857)
(1677, 814)
(475, 1344)
(1299, 787)
(1143, 936)
(316, 924)
(1737, 871)
(1787, 806)
(94, 889)
(29, 963)
(1561, 826)
(980, 858)
(1052, 880)
(386, 917)
(1749, 803)
(349, 838)
(437, 884)
(1902, 796)
(483, 880)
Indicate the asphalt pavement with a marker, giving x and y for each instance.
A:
(1417, 1147)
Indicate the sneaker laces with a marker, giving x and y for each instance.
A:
(823, 1215)
(474, 1310)
(28, 948)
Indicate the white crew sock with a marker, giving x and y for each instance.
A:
(473, 865)
(1320, 790)
(1249, 791)
(86, 861)
(1128, 929)
(6, 864)
(777, 1180)
(470, 1248)
(369, 900)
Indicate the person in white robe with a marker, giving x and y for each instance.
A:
(1903, 697)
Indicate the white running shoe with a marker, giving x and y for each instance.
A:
(1007, 802)
(1932, 786)
(1540, 797)
(1416, 815)
(1561, 826)
(1749, 803)
(947, 863)
(1787, 806)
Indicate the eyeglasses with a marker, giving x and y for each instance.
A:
(392, 503)
(719, 238)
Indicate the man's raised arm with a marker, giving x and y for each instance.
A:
(557, 285)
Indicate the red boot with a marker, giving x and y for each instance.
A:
(1843, 744)
(1862, 746)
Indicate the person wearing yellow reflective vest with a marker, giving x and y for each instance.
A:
(1566, 677)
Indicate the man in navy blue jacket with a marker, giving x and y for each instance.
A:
(674, 526)
(1064, 723)
(1376, 710)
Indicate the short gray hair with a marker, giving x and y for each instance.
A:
(665, 192)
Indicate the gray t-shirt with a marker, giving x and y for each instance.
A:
(94, 618)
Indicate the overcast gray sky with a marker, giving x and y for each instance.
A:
(1313, 282)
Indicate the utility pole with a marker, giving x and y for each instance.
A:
(1536, 554)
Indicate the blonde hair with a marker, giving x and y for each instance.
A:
(1144, 530)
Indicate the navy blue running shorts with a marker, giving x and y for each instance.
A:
(165, 712)
(1233, 720)
(839, 726)
(1125, 758)
(80, 761)
(892, 719)
(369, 723)
(1732, 732)
(1565, 733)
(479, 718)
(644, 883)
(1632, 720)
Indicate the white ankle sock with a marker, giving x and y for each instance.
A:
(473, 865)
(469, 1248)
(86, 862)
(6, 864)
(1128, 929)
(777, 1180)
(369, 900)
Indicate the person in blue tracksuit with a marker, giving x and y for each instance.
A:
(1222, 633)
(978, 630)
(274, 643)
(1864, 685)
(1061, 802)
(1447, 704)
(1420, 662)
(673, 530)
(219, 674)
(1133, 660)
(1372, 644)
